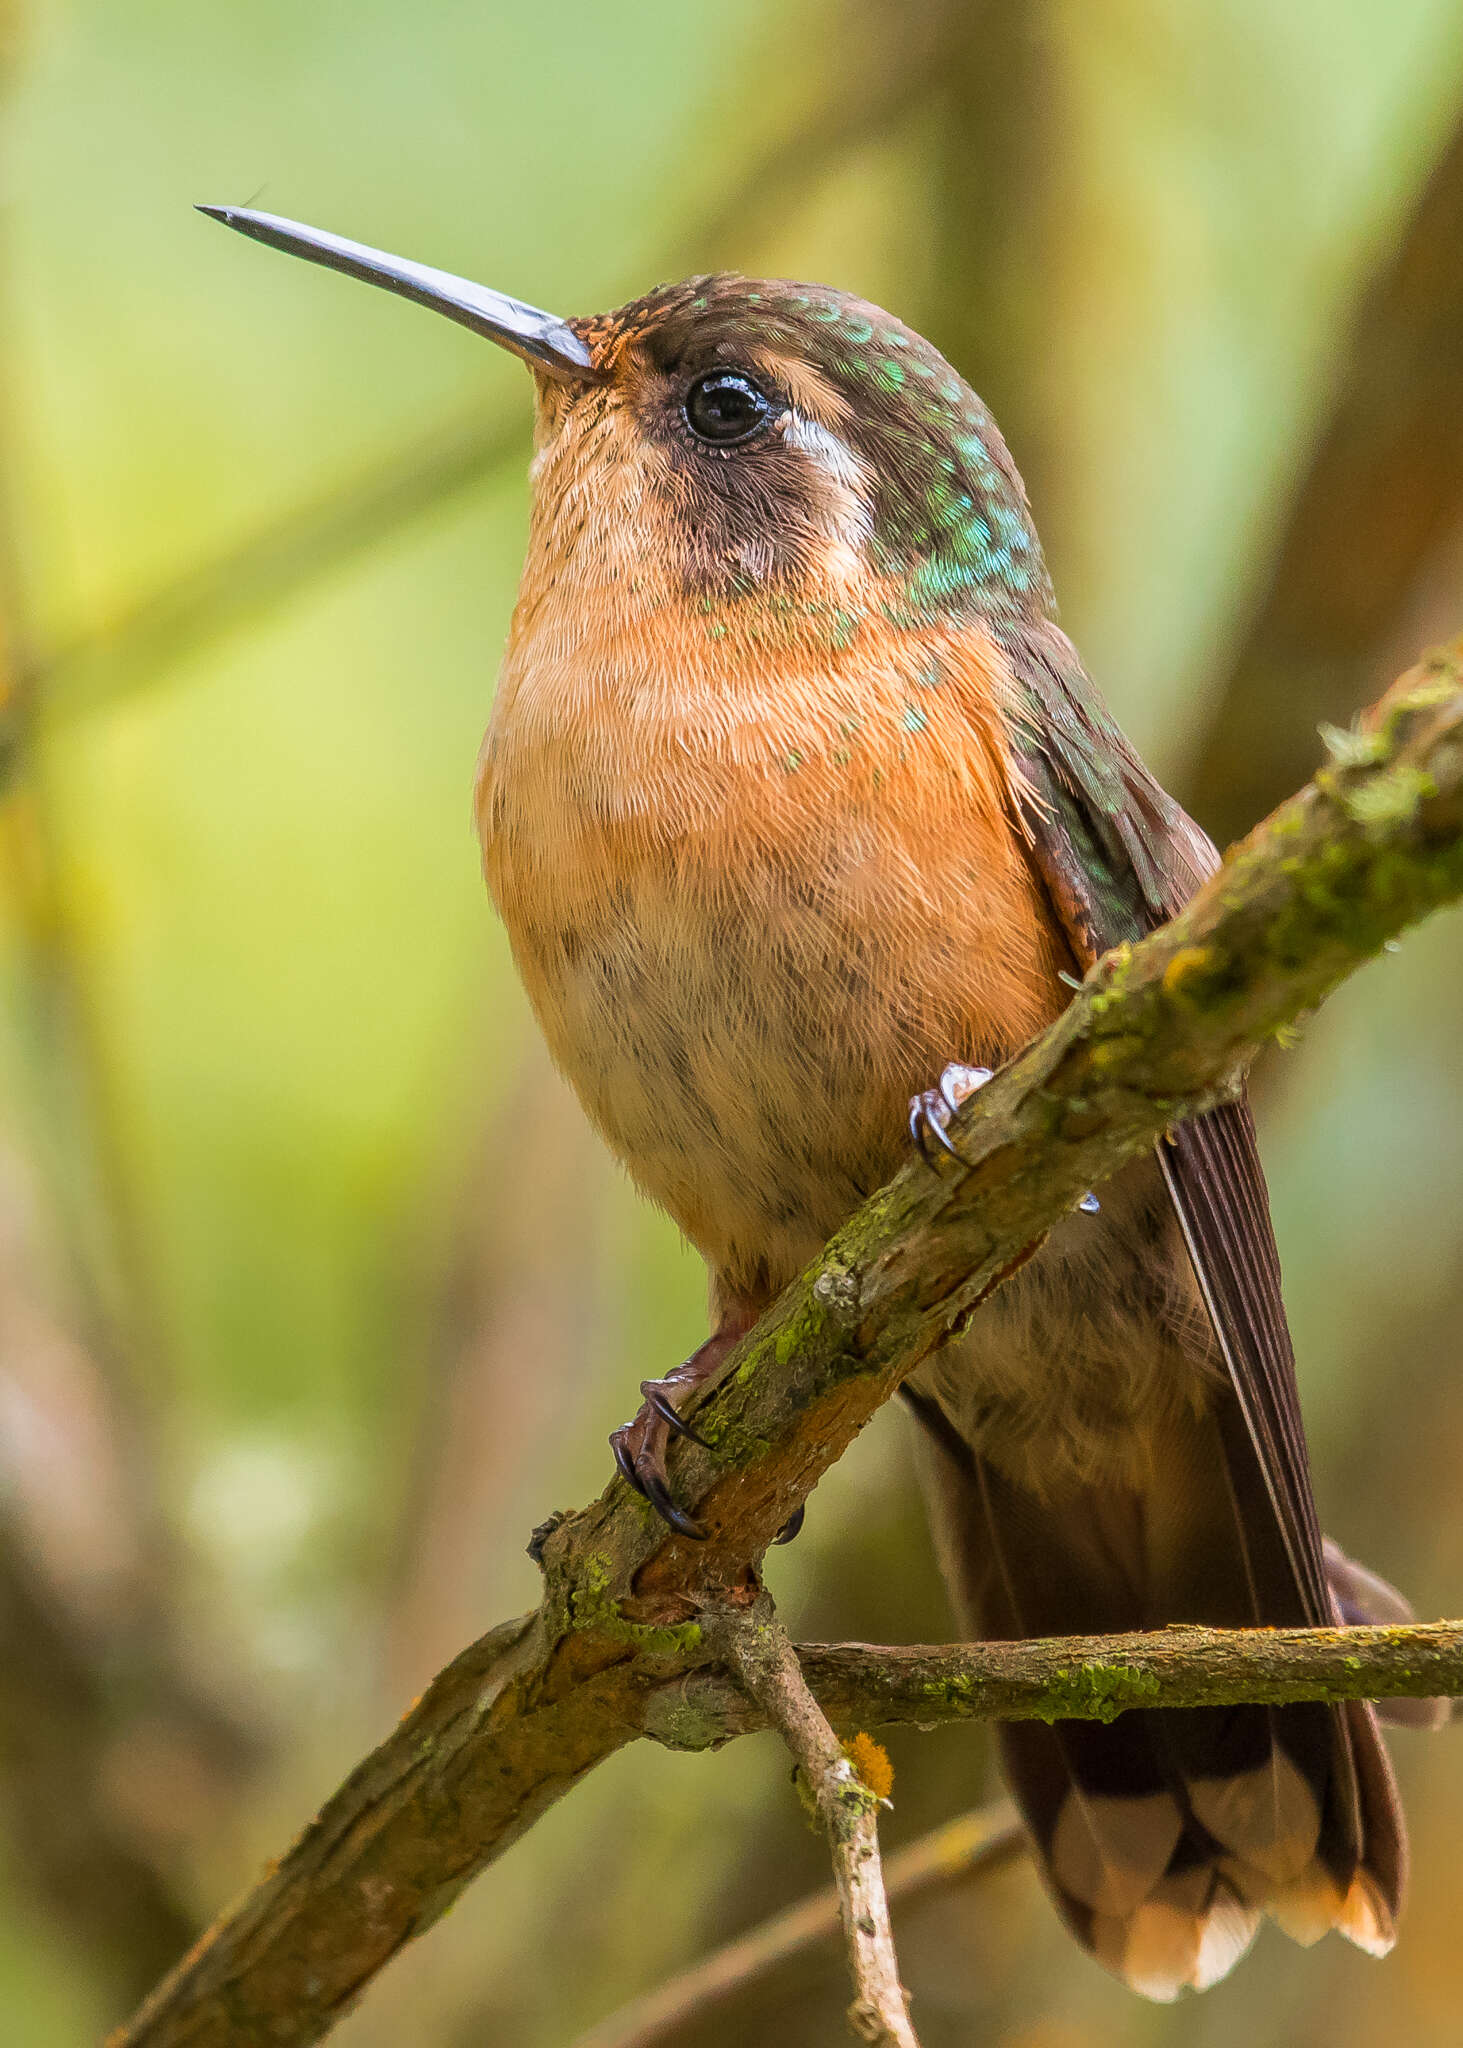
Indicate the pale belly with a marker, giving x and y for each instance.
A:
(746, 1016)
(745, 1008)
(749, 1046)
(763, 879)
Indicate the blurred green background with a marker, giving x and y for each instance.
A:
(315, 1292)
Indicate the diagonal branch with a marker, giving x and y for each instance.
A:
(1157, 1032)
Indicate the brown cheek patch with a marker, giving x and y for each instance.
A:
(776, 515)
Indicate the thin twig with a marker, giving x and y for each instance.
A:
(755, 1646)
(974, 1845)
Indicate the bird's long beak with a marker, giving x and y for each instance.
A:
(550, 345)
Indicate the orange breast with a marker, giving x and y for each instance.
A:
(761, 877)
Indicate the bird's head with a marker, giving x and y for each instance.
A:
(756, 438)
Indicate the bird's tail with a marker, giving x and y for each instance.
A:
(1165, 1837)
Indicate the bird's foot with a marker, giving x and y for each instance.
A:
(640, 1446)
(930, 1112)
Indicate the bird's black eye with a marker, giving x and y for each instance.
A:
(726, 407)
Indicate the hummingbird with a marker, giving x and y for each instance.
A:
(802, 814)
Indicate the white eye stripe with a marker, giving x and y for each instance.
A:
(831, 455)
(848, 511)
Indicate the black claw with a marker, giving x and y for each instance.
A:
(626, 1463)
(925, 1123)
(792, 1525)
(657, 1398)
(945, 1139)
(658, 1494)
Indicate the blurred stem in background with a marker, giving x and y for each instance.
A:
(1370, 558)
(116, 1762)
(994, 119)
(522, 1288)
(145, 644)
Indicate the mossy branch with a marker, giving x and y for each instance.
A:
(1082, 1678)
(1158, 1032)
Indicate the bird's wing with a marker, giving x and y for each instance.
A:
(1117, 857)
